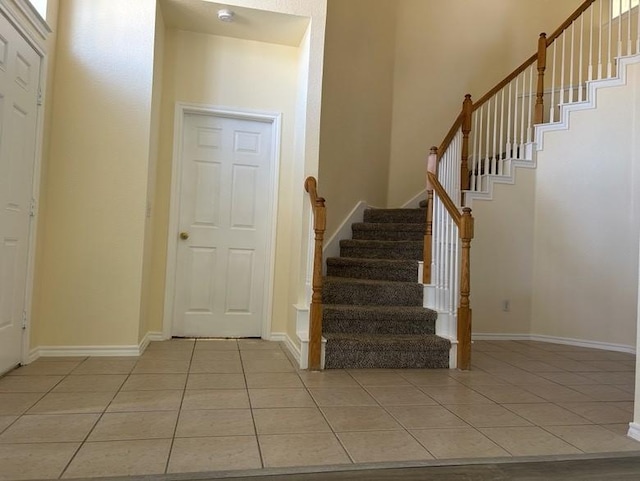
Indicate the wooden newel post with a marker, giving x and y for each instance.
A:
(542, 66)
(432, 166)
(464, 310)
(315, 314)
(467, 111)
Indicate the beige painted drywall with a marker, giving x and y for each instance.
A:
(587, 222)
(149, 280)
(355, 133)
(233, 73)
(502, 257)
(36, 317)
(91, 239)
(445, 50)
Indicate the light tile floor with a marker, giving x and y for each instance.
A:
(192, 406)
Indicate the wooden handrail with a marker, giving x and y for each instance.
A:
(444, 198)
(567, 23)
(579, 11)
(465, 222)
(315, 311)
(479, 103)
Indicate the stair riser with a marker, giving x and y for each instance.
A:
(395, 253)
(359, 234)
(386, 359)
(355, 326)
(373, 295)
(397, 216)
(405, 274)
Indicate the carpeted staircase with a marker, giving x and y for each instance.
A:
(372, 303)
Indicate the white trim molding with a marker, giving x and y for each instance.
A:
(332, 246)
(275, 119)
(95, 351)
(605, 346)
(634, 431)
(592, 99)
(291, 346)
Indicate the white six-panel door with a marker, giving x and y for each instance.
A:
(223, 227)
(19, 82)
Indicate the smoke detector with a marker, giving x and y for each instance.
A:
(225, 15)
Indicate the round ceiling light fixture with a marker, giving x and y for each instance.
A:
(225, 15)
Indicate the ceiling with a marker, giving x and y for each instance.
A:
(250, 24)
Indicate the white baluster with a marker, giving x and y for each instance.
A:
(509, 145)
(501, 143)
(629, 50)
(620, 29)
(600, 42)
(638, 29)
(581, 54)
(561, 93)
(494, 160)
(532, 96)
(590, 73)
(552, 109)
(474, 153)
(516, 154)
(480, 148)
(571, 62)
(610, 45)
(487, 160)
(523, 115)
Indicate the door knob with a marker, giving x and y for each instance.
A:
(184, 235)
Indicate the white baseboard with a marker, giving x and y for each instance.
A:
(414, 202)
(150, 337)
(96, 351)
(332, 246)
(292, 347)
(634, 431)
(606, 346)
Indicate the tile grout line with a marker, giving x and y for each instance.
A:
(253, 419)
(101, 414)
(326, 420)
(175, 427)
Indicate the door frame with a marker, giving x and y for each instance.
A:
(29, 27)
(275, 119)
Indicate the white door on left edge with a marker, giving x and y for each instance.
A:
(19, 80)
(226, 166)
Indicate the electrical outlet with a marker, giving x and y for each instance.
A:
(506, 305)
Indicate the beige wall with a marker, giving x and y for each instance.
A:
(587, 222)
(150, 278)
(91, 239)
(355, 130)
(502, 257)
(52, 20)
(445, 50)
(234, 73)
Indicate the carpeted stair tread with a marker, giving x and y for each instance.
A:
(409, 216)
(373, 314)
(389, 320)
(387, 343)
(387, 231)
(361, 351)
(343, 290)
(375, 269)
(379, 313)
(381, 249)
